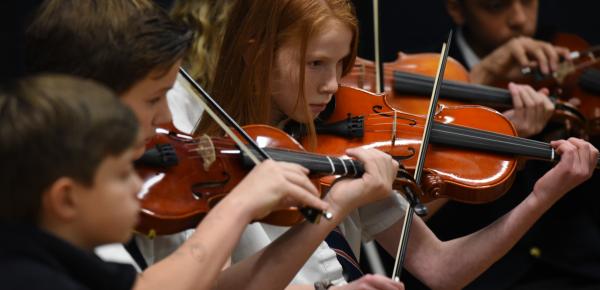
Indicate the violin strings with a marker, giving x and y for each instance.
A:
(513, 142)
(585, 64)
(457, 131)
(427, 82)
(483, 138)
(467, 133)
(518, 140)
(462, 133)
(287, 155)
(295, 158)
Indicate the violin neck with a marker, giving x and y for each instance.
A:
(469, 138)
(315, 163)
(409, 83)
(590, 80)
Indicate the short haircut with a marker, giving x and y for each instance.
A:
(54, 126)
(115, 42)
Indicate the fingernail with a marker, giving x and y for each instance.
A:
(545, 69)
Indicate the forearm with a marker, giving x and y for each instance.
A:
(276, 265)
(198, 262)
(454, 264)
(300, 287)
(434, 206)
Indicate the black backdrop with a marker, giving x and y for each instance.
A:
(409, 26)
(412, 26)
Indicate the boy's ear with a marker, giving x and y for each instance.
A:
(59, 200)
(456, 11)
(250, 52)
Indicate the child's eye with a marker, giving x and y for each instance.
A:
(125, 174)
(495, 6)
(315, 63)
(154, 100)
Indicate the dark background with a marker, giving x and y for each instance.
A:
(412, 26)
(409, 26)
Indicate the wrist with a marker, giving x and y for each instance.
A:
(339, 207)
(540, 201)
(480, 74)
(237, 207)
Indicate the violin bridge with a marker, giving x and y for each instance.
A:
(206, 150)
(361, 78)
(564, 69)
(394, 128)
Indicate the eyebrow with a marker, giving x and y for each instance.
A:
(164, 89)
(324, 56)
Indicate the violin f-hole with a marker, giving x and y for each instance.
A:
(203, 189)
(377, 110)
(400, 158)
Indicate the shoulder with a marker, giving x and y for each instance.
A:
(23, 273)
(158, 248)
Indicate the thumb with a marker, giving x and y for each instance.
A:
(544, 91)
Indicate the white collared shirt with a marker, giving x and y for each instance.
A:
(471, 59)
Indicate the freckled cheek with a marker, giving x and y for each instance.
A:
(129, 205)
(146, 126)
(139, 151)
(144, 118)
(288, 105)
(312, 87)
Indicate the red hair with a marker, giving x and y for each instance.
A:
(255, 31)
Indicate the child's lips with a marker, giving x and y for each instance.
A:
(317, 108)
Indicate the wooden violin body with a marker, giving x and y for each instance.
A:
(467, 175)
(473, 151)
(362, 76)
(176, 196)
(568, 82)
(408, 82)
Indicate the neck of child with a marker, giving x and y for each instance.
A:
(66, 232)
(278, 122)
(477, 46)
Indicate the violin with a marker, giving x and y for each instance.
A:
(588, 94)
(185, 176)
(582, 57)
(473, 153)
(575, 80)
(408, 81)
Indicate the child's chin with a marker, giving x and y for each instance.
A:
(139, 151)
(127, 233)
(126, 236)
(302, 119)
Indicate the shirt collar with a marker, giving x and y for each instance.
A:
(471, 59)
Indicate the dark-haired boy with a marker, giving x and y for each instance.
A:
(68, 184)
